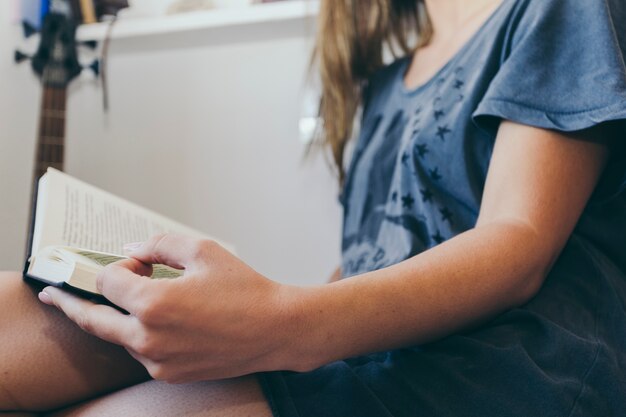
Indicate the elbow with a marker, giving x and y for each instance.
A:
(532, 282)
(532, 262)
(529, 288)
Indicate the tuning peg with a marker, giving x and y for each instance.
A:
(20, 56)
(94, 67)
(90, 44)
(28, 28)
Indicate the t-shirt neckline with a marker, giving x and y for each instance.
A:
(455, 57)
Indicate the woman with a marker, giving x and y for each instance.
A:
(484, 235)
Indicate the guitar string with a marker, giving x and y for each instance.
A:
(43, 123)
(61, 122)
(62, 92)
(57, 128)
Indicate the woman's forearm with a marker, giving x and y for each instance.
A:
(466, 280)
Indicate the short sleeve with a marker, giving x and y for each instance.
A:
(563, 68)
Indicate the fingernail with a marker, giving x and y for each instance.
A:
(45, 298)
(131, 247)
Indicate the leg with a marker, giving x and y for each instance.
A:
(47, 362)
(230, 398)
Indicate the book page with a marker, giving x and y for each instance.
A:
(73, 213)
(103, 259)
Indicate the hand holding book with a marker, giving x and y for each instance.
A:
(220, 319)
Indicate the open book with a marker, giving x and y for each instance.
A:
(78, 229)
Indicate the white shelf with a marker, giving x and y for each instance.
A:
(183, 22)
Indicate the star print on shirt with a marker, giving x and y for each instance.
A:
(394, 196)
(434, 174)
(405, 158)
(408, 201)
(380, 254)
(421, 149)
(438, 238)
(458, 84)
(446, 215)
(442, 131)
(439, 114)
(426, 195)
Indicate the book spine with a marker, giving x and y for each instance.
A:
(89, 11)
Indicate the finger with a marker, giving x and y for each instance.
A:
(99, 320)
(135, 266)
(176, 251)
(141, 359)
(147, 363)
(125, 283)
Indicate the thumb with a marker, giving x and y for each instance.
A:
(177, 251)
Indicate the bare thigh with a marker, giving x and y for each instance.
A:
(47, 362)
(232, 398)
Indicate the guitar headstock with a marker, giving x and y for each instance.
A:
(56, 60)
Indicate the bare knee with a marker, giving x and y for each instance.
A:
(232, 398)
(9, 279)
(40, 347)
(14, 296)
(18, 300)
(13, 292)
(10, 275)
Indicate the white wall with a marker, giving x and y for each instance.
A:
(203, 127)
(19, 96)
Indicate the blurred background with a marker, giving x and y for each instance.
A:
(209, 117)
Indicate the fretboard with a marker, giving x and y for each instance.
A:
(50, 150)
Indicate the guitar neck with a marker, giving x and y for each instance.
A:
(50, 150)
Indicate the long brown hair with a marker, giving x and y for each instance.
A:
(351, 39)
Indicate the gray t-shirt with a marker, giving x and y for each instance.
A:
(419, 167)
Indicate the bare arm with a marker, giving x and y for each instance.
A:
(538, 184)
(223, 319)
